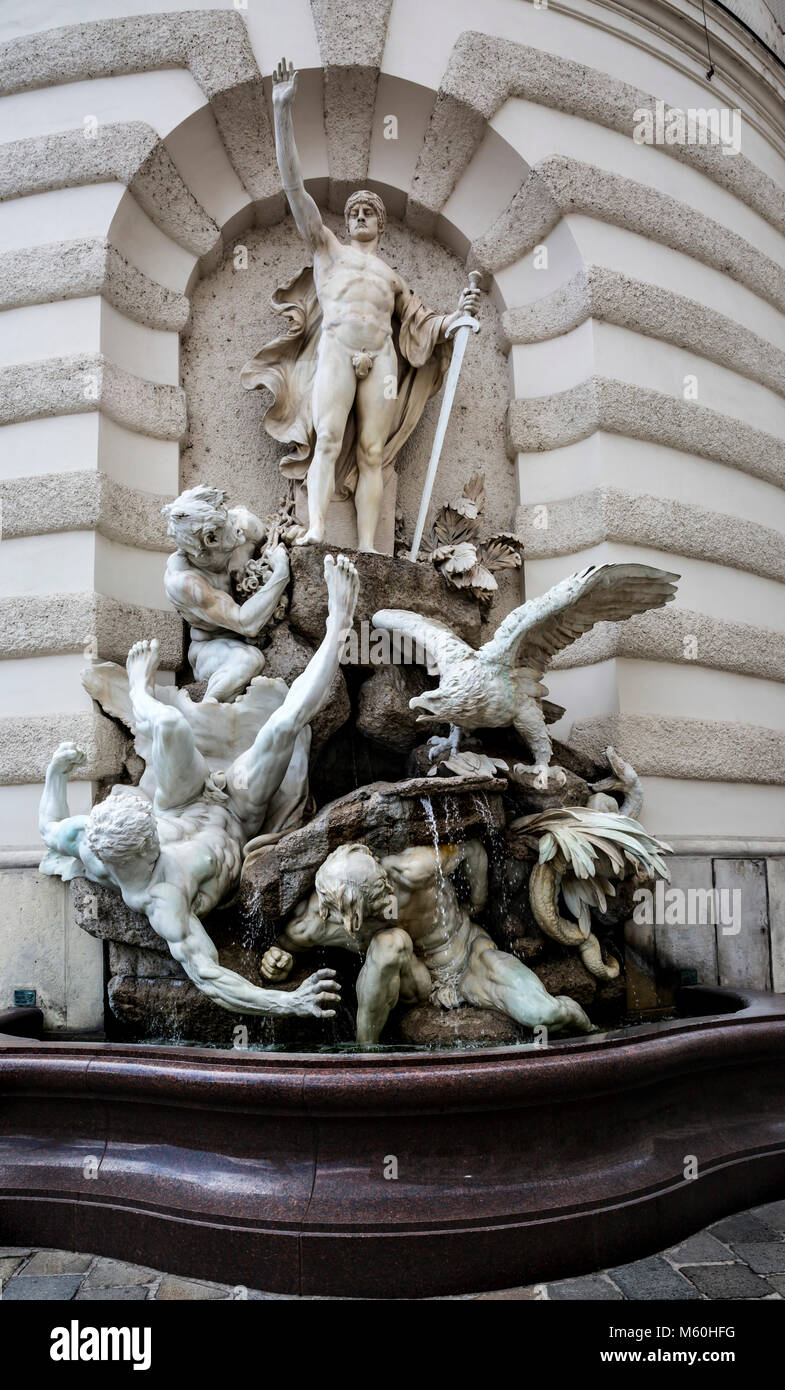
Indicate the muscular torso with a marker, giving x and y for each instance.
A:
(356, 292)
(183, 583)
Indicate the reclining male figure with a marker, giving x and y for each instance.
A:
(177, 857)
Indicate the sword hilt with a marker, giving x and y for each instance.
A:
(467, 320)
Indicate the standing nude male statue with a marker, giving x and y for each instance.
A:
(177, 856)
(357, 364)
(403, 914)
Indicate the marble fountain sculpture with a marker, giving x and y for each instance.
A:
(368, 1029)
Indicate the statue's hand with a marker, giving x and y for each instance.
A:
(316, 994)
(284, 84)
(279, 557)
(276, 964)
(66, 757)
(469, 301)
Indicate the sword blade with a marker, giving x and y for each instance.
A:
(450, 386)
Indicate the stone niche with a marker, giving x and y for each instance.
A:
(231, 318)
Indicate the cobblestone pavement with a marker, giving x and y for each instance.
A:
(742, 1257)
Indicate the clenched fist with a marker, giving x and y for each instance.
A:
(276, 964)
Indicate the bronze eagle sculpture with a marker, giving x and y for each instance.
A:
(501, 684)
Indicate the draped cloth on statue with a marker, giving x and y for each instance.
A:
(287, 367)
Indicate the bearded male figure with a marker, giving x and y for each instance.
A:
(362, 355)
(402, 913)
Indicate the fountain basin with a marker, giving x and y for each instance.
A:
(397, 1175)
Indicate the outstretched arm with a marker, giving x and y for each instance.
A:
(304, 210)
(60, 830)
(199, 601)
(169, 914)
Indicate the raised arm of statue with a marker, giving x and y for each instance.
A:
(304, 210)
(59, 830)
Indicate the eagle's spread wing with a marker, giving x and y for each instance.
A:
(438, 644)
(544, 626)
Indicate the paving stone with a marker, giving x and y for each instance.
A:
(650, 1279)
(530, 1292)
(49, 1288)
(727, 1281)
(11, 1250)
(700, 1249)
(765, 1257)
(9, 1264)
(772, 1215)
(744, 1226)
(45, 1262)
(591, 1287)
(128, 1294)
(172, 1286)
(115, 1274)
(777, 1282)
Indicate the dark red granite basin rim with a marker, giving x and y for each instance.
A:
(451, 1080)
(516, 1166)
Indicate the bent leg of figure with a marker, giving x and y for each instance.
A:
(333, 397)
(375, 411)
(176, 763)
(496, 980)
(257, 774)
(226, 665)
(391, 971)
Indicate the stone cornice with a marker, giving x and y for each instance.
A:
(541, 423)
(562, 185)
(88, 381)
(704, 750)
(127, 151)
(670, 633)
(33, 625)
(678, 528)
(74, 269)
(612, 297)
(88, 501)
(484, 71)
(212, 44)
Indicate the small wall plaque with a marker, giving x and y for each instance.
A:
(24, 998)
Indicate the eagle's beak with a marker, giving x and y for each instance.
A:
(422, 702)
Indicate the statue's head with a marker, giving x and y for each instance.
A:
(199, 522)
(365, 215)
(122, 830)
(352, 886)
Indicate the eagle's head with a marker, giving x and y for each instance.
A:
(459, 695)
